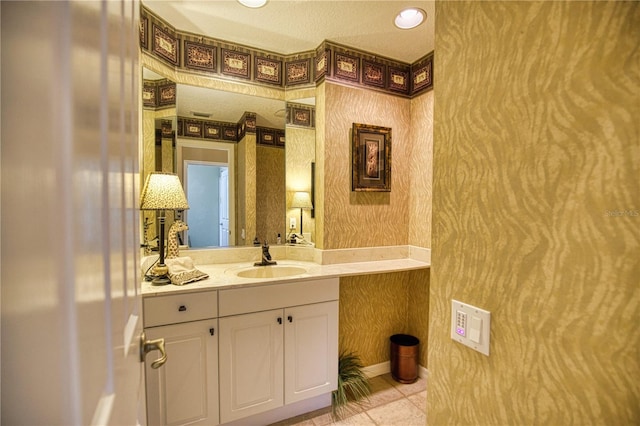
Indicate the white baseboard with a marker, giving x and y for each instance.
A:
(377, 369)
(385, 367)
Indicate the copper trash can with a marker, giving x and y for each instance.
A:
(404, 358)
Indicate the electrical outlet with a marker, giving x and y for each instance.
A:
(292, 223)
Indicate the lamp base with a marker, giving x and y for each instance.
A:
(161, 280)
(161, 272)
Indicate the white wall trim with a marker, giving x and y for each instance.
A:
(377, 369)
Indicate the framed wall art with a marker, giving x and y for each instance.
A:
(371, 158)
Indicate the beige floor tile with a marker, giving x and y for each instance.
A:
(390, 404)
(396, 413)
(407, 389)
(419, 400)
(358, 420)
(307, 422)
(322, 420)
(382, 392)
(305, 419)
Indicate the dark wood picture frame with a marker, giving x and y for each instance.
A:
(371, 158)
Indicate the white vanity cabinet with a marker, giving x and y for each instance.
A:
(185, 389)
(278, 345)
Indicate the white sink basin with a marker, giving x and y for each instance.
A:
(271, 271)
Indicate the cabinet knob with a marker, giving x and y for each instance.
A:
(279, 320)
(182, 308)
(290, 318)
(212, 331)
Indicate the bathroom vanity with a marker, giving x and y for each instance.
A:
(247, 350)
(234, 353)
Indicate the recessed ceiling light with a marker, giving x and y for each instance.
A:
(410, 18)
(254, 4)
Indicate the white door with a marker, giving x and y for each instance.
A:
(70, 292)
(224, 207)
(311, 350)
(251, 364)
(201, 180)
(184, 391)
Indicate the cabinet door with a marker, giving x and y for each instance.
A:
(311, 350)
(185, 389)
(251, 364)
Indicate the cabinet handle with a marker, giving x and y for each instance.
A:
(182, 308)
(212, 331)
(279, 320)
(147, 346)
(290, 318)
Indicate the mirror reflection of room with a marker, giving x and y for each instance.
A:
(229, 151)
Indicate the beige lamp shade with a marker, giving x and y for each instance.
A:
(163, 191)
(301, 200)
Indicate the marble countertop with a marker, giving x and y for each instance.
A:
(223, 275)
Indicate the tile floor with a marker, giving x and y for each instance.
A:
(390, 404)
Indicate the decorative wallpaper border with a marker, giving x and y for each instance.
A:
(298, 72)
(268, 71)
(422, 74)
(158, 94)
(165, 45)
(199, 56)
(236, 64)
(144, 32)
(189, 127)
(330, 61)
(300, 115)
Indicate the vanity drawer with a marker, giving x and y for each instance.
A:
(265, 297)
(184, 307)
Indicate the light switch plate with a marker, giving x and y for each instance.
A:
(470, 326)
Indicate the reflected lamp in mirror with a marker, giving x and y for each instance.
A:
(162, 191)
(301, 200)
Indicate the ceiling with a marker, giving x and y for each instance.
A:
(288, 27)
(294, 26)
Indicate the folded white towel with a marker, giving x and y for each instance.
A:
(182, 271)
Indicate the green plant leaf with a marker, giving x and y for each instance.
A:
(353, 384)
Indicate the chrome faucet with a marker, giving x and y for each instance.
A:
(266, 257)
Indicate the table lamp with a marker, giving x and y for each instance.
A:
(162, 191)
(301, 200)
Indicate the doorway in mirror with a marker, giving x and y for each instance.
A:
(207, 189)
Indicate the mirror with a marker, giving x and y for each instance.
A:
(237, 189)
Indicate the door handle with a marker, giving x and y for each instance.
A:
(147, 346)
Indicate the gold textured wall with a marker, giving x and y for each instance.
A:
(270, 193)
(320, 166)
(301, 152)
(148, 164)
(245, 174)
(421, 170)
(359, 219)
(374, 307)
(535, 212)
